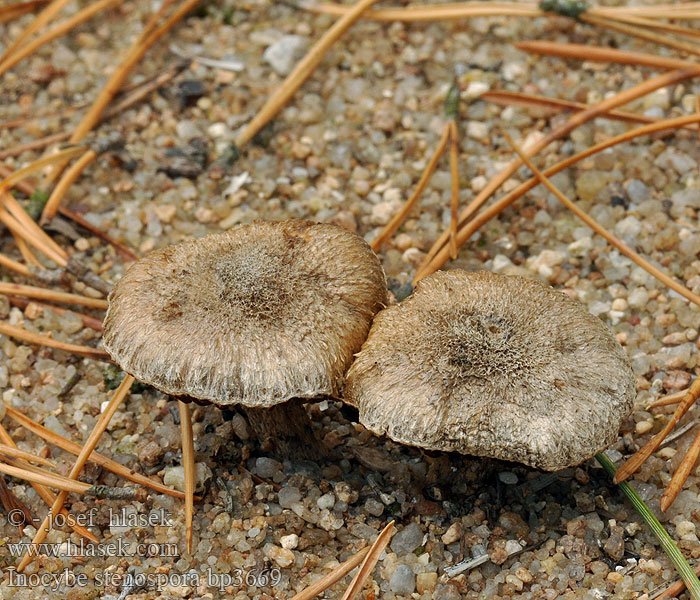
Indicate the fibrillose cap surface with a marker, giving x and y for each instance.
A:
(495, 366)
(253, 316)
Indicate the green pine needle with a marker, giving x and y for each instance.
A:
(692, 583)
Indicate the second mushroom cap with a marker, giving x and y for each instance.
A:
(495, 366)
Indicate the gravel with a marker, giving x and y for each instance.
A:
(349, 148)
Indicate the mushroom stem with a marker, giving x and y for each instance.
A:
(286, 427)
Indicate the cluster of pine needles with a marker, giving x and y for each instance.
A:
(42, 261)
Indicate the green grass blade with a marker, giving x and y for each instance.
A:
(692, 583)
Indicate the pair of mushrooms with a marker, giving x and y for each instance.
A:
(271, 313)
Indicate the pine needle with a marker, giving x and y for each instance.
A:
(668, 399)
(398, 219)
(55, 32)
(88, 321)
(667, 544)
(681, 475)
(302, 71)
(66, 181)
(637, 459)
(30, 291)
(15, 452)
(34, 338)
(15, 266)
(118, 397)
(369, 563)
(188, 464)
(609, 237)
(601, 54)
(76, 449)
(37, 23)
(506, 98)
(436, 258)
(333, 577)
(49, 497)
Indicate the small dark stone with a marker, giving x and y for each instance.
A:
(616, 200)
(189, 161)
(189, 91)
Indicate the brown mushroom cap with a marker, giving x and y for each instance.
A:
(495, 366)
(253, 316)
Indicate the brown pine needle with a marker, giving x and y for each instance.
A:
(11, 502)
(42, 340)
(33, 474)
(39, 164)
(659, 25)
(33, 231)
(15, 452)
(29, 236)
(435, 12)
(679, 477)
(31, 291)
(454, 205)
(75, 449)
(333, 577)
(595, 226)
(435, 258)
(57, 31)
(472, 223)
(114, 83)
(37, 144)
(636, 460)
(369, 563)
(88, 321)
(188, 465)
(493, 9)
(506, 98)
(13, 11)
(26, 252)
(55, 481)
(39, 21)
(15, 266)
(66, 181)
(118, 397)
(133, 55)
(676, 589)
(154, 18)
(48, 496)
(400, 217)
(23, 186)
(669, 399)
(600, 54)
(641, 33)
(302, 71)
